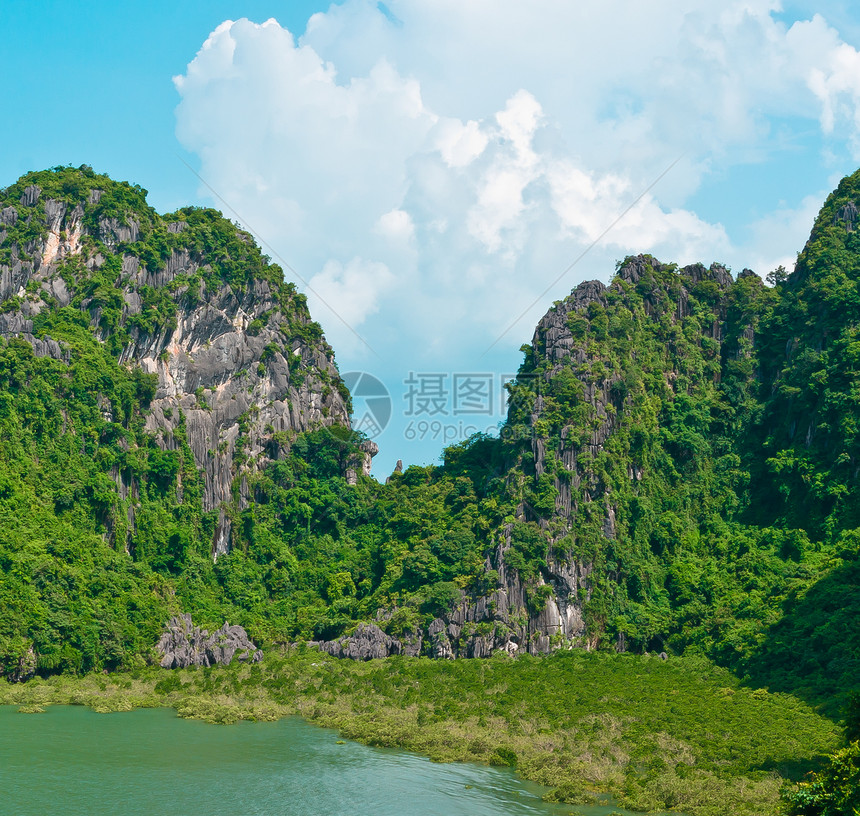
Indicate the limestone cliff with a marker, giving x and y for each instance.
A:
(565, 341)
(517, 615)
(188, 298)
(513, 615)
(628, 396)
(616, 424)
(183, 644)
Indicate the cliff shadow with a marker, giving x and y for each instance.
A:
(813, 651)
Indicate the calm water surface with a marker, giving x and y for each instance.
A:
(73, 761)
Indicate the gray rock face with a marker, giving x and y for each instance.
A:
(366, 643)
(398, 468)
(239, 370)
(847, 215)
(25, 669)
(362, 463)
(183, 645)
(440, 643)
(506, 619)
(558, 341)
(696, 273)
(30, 195)
(369, 449)
(480, 625)
(113, 232)
(14, 325)
(555, 342)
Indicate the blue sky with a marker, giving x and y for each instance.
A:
(92, 84)
(429, 168)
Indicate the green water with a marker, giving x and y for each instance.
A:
(75, 762)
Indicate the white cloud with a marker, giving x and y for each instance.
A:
(774, 237)
(459, 143)
(396, 225)
(497, 212)
(434, 172)
(354, 288)
(588, 204)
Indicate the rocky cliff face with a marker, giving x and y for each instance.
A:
(514, 616)
(565, 340)
(188, 298)
(616, 400)
(518, 616)
(620, 395)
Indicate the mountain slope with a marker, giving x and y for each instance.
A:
(151, 366)
(677, 470)
(187, 298)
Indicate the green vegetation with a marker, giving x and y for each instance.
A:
(102, 529)
(702, 556)
(66, 429)
(117, 221)
(834, 791)
(681, 734)
(693, 448)
(716, 548)
(103, 534)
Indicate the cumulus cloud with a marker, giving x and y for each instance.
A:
(354, 287)
(396, 225)
(432, 166)
(773, 239)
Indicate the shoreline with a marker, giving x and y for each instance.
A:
(140, 718)
(683, 735)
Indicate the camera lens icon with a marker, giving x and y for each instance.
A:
(371, 403)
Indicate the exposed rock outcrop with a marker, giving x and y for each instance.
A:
(366, 643)
(440, 641)
(512, 617)
(847, 215)
(556, 342)
(241, 367)
(14, 325)
(361, 463)
(183, 645)
(26, 667)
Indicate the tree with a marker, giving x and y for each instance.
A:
(834, 791)
(777, 276)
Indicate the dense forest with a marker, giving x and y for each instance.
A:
(686, 440)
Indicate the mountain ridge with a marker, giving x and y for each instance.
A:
(656, 486)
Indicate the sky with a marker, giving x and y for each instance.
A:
(434, 174)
